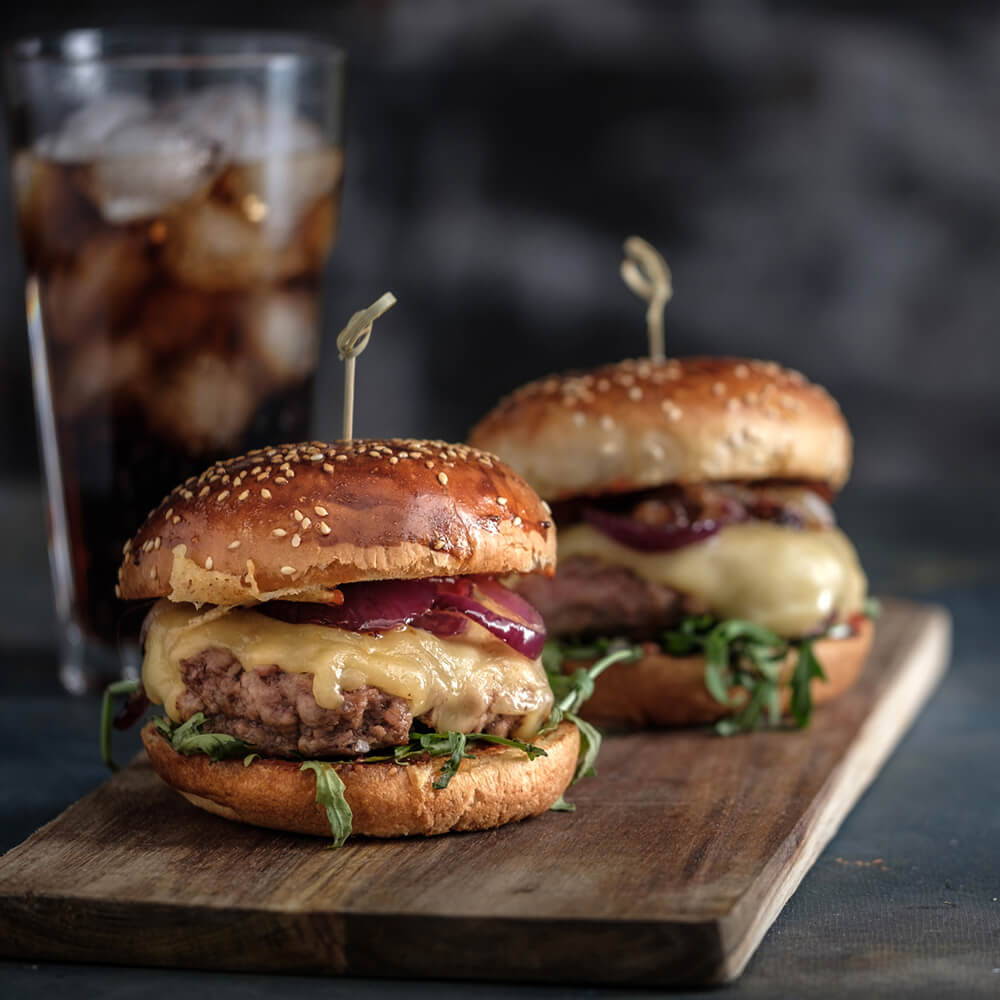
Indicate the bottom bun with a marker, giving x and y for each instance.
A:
(499, 785)
(661, 690)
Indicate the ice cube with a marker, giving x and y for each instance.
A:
(97, 371)
(282, 334)
(148, 167)
(93, 295)
(84, 133)
(173, 321)
(204, 404)
(280, 190)
(53, 215)
(212, 247)
(245, 127)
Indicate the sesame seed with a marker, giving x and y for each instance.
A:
(306, 524)
(127, 547)
(741, 371)
(288, 571)
(176, 519)
(169, 513)
(635, 393)
(518, 522)
(234, 544)
(394, 460)
(321, 511)
(443, 478)
(279, 532)
(208, 562)
(243, 495)
(341, 458)
(265, 493)
(255, 471)
(324, 527)
(152, 573)
(296, 540)
(316, 458)
(297, 514)
(118, 591)
(718, 389)
(671, 409)
(204, 491)
(187, 494)
(222, 496)
(439, 544)
(430, 465)
(502, 501)
(281, 481)
(157, 543)
(607, 423)
(327, 467)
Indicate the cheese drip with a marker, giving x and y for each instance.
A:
(457, 681)
(788, 580)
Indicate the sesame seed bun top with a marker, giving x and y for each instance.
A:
(638, 424)
(296, 520)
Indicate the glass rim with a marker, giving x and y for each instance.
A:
(171, 47)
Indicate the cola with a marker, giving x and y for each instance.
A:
(176, 253)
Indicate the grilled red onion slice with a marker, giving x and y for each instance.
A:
(653, 537)
(441, 606)
(527, 639)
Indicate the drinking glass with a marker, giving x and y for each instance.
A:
(177, 199)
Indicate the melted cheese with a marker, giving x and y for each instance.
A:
(456, 681)
(787, 580)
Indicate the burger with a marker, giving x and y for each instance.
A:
(334, 651)
(692, 498)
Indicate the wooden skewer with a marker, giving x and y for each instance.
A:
(351, 341)
(646, 273)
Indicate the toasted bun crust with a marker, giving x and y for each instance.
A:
(295, 520)
(638, 424)
(670, 690)
(498, 786)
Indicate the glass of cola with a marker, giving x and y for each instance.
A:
(177, 197)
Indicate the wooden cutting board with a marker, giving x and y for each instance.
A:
(680, 856)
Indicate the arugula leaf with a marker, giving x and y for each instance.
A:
(250, 758)
(188, 739)
(562, 806)
(590, 747)
(572, 690)
(872, 607)
(456, 754)
(330, 795)
(807, 668)
(116, 688)
(446, 745)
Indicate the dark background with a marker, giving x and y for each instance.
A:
(824, 179)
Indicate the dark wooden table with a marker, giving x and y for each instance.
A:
(904, 902)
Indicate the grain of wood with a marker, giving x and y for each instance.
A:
(681, 854)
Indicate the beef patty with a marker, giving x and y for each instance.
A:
(276, 713)
(589, 597)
